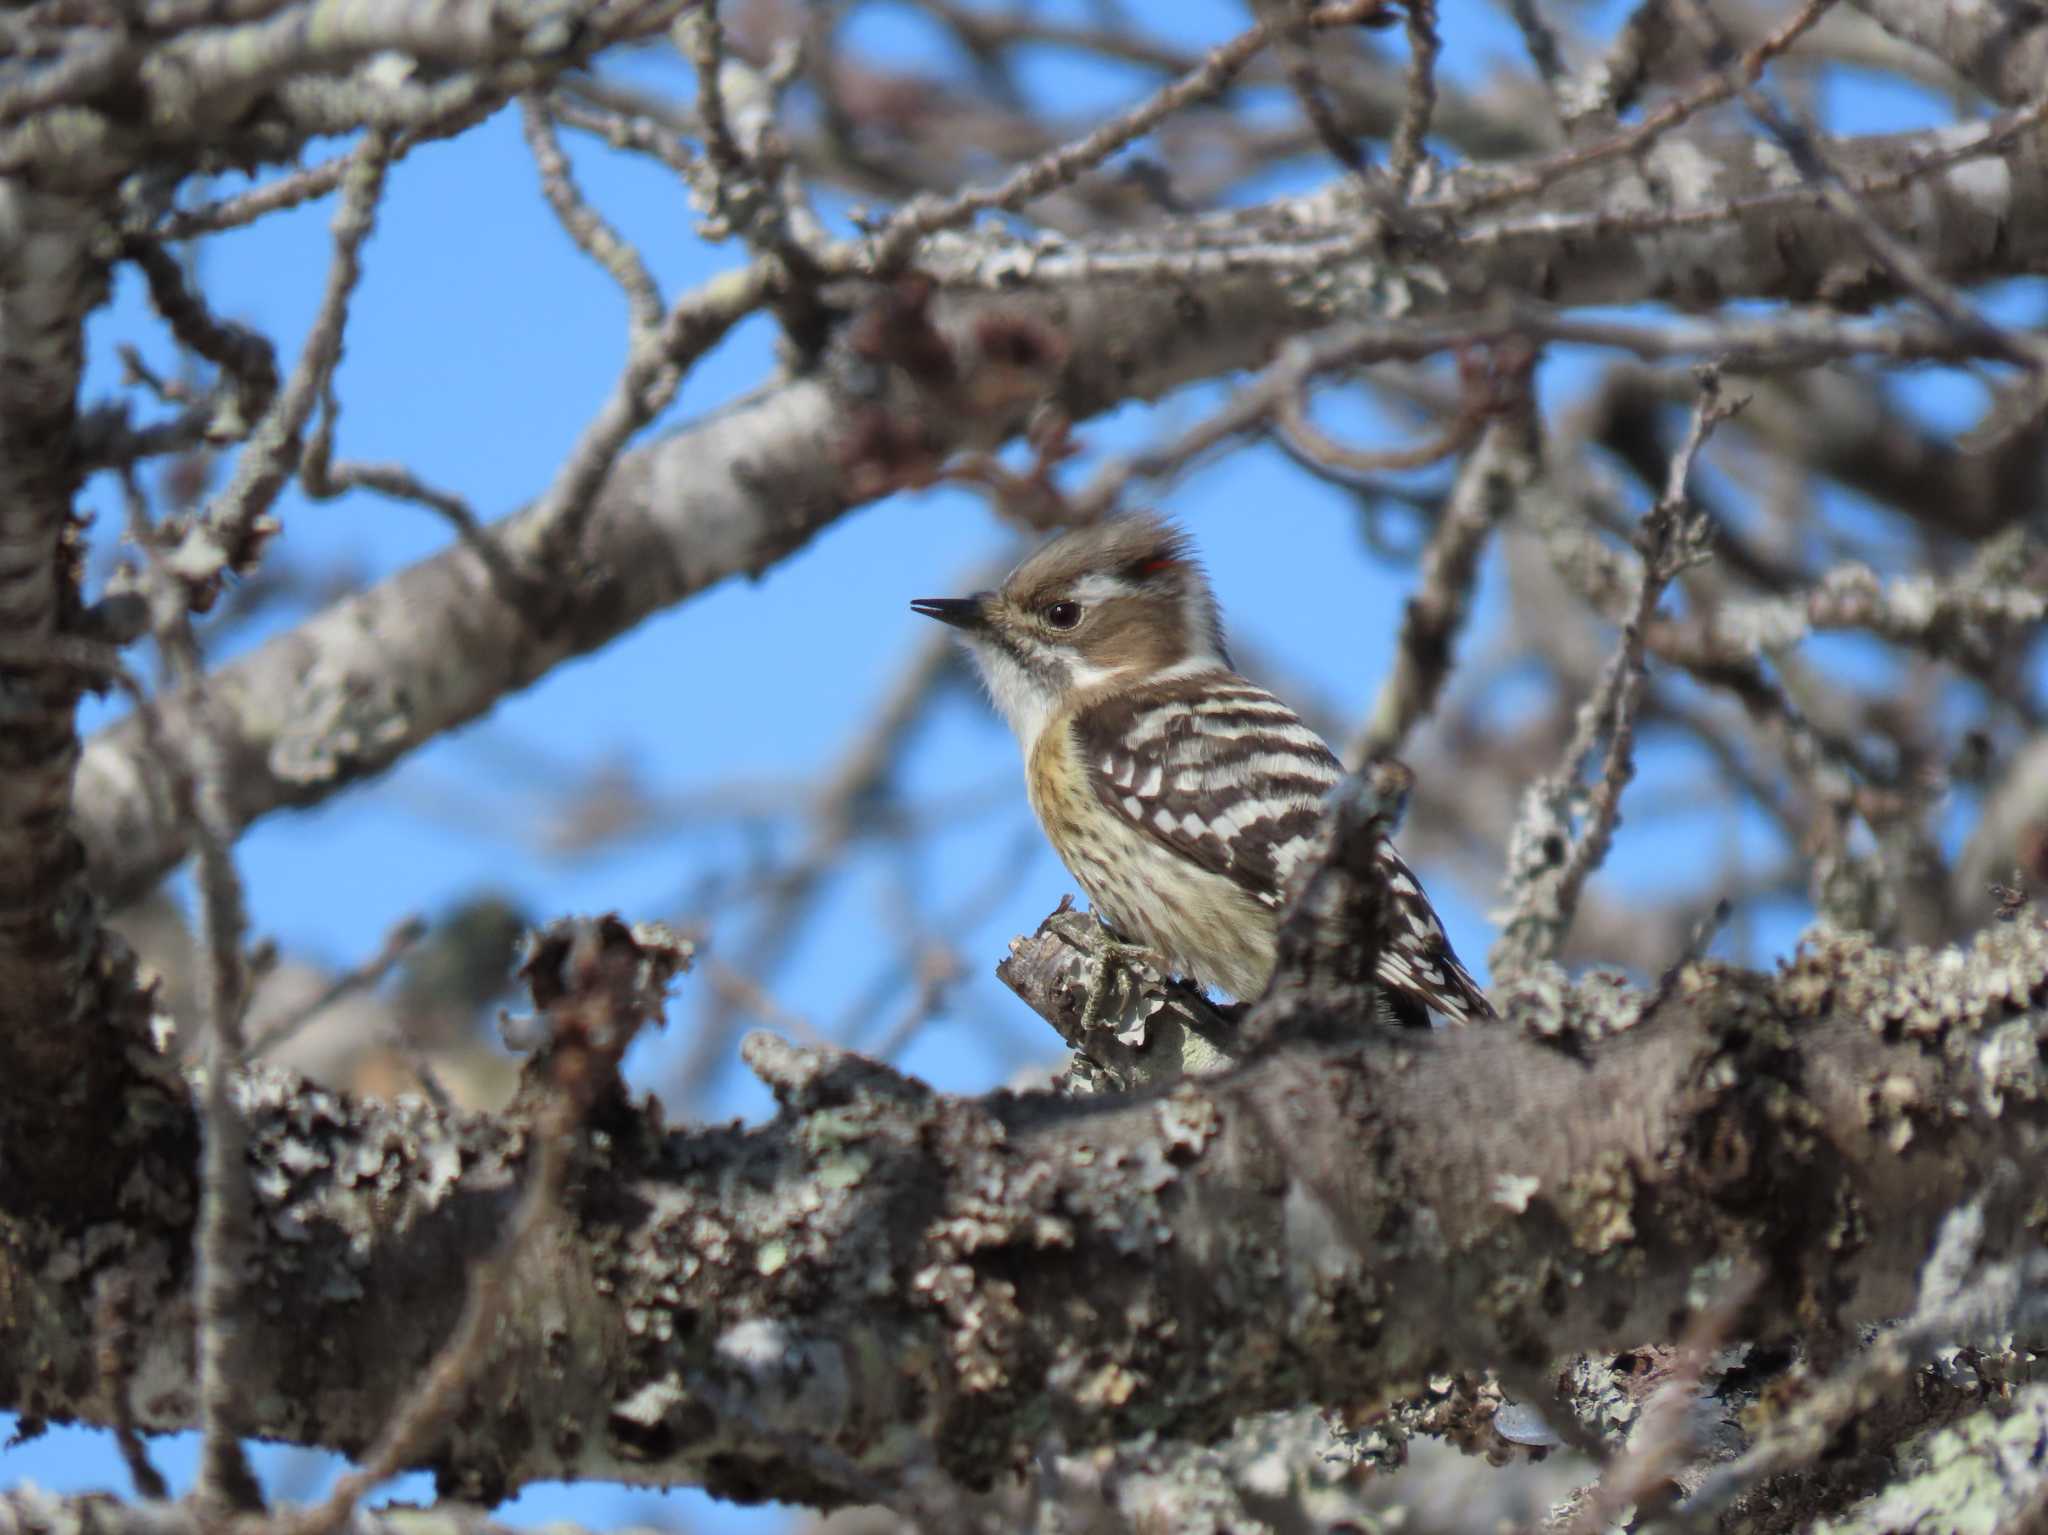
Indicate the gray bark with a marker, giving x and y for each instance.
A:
(881, 1274)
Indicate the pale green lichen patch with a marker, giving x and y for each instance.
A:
(1538, 1000)
(1547, 1004)
(367, 1171)
(1968, 1479)
(764, 1234)
(1916, 993)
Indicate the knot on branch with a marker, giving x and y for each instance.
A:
(596, 982)
(923, 382)
(804, 1078)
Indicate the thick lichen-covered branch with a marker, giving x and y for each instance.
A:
(883, 1272)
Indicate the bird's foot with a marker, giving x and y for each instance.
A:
(1118, 971)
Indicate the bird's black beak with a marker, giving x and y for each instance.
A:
(960, 612)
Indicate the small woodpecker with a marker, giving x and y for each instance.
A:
(1180, 795)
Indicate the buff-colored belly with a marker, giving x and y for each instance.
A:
(1203, 925)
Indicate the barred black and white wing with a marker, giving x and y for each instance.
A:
(1221, 773)
(1416, 956)
(1219, 770)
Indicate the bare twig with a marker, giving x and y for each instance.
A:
(1528, 182)
(322, 478)
(232, 533)
(1305, 438)
(115, 1359)
(1419, 102)
(1450, 566)
(892, 245)
(200, 782)
(1900, 260)
(1696, 945)
(245, 356)
(585, 225)
(364, 977)
(702, 37)
(579, 104)
(1547, 865)
(1795, 338)
(1306, 79)
(744, 178)
(1540, 39)
(303, 186)
(656, 365)
(1956, 146)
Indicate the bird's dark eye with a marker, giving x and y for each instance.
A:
(1063, 615)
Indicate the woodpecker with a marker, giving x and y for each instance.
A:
(1179, 794)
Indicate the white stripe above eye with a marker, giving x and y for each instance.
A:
(1099, 586)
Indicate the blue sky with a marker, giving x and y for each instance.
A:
(481, 343)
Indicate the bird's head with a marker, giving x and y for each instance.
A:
(1116, 604)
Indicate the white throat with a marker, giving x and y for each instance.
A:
(1020, 697)
(1028, 699)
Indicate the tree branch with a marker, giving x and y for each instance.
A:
(52, 958)
(879, 1258)
(355, 688)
